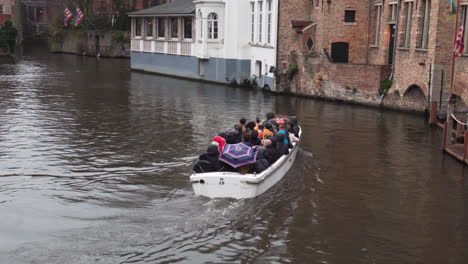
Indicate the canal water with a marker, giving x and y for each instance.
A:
(95, 160)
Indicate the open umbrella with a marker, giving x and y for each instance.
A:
(238, 155)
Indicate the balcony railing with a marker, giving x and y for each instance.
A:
(185, 48)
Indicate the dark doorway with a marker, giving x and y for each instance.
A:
(391, 45)
(340, 52)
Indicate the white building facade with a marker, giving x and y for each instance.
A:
(225, 41)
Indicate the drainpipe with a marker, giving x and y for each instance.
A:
(277, 46)
(368, 30)
(395, 41)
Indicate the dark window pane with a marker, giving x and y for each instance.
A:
(188, 28)
(161, 28)
(350, 16)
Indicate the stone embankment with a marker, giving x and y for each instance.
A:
(114, 44)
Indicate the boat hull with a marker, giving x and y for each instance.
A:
(238, 186)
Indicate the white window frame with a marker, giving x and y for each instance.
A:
(146, 27)
(252, 21)
(136, 27)
(378, 21)
(260, 21)
(170, 28)
(157, 27)
(409, 23)
(426, 24)
(183, 28)
(211, 25)
(269, 21)
(392, 9)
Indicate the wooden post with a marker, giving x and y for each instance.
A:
(433, 114)
(465, 143)
(444, 146)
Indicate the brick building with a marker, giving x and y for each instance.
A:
(345, 49)
(6, 10)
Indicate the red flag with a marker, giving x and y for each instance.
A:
(67, 16)
(460, 43)
(78, 17)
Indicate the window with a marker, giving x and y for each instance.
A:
(378, 18)
(408, 23)
(392, 16)
(350, 16)
(161, 28)
(149, 27)
(187, 28)
(426, 16)
(1, 9)
(260, 20)
(310, 44)
(269, 17)
(465, 25)
(317, 3)
(252, 21)
(213, 26)
(340, 52)
(138, 27)
(174, 27)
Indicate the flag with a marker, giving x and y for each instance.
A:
(78, 17)
(67, 16)
(459, 43)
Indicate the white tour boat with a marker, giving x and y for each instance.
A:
(235, 185)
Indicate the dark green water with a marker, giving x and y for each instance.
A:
(95, 159)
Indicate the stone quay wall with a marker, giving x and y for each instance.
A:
(91, 43)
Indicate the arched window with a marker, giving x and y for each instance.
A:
(212, 26)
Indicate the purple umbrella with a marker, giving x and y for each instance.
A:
(238, 155)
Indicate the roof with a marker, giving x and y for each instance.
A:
(176, 7)
(302, 25)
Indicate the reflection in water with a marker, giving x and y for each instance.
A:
(95, 161)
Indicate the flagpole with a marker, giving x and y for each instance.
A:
(450, 103)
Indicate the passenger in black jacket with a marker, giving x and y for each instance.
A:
(269, 151)
(262, 163)
(272, 155)
(281, 148)
(209, 161)
(253, 138)
(294, 126)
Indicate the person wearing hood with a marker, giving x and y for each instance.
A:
(209, 161)
(284, 130)
(294, 126)
(232, 135)
(221, 143)
(281, 147)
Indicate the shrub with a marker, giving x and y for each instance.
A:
(8, 34)
(385, 85)
(292, 70)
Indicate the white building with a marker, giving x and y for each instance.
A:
(222, 41)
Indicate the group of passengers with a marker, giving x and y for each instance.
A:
(270, 139)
